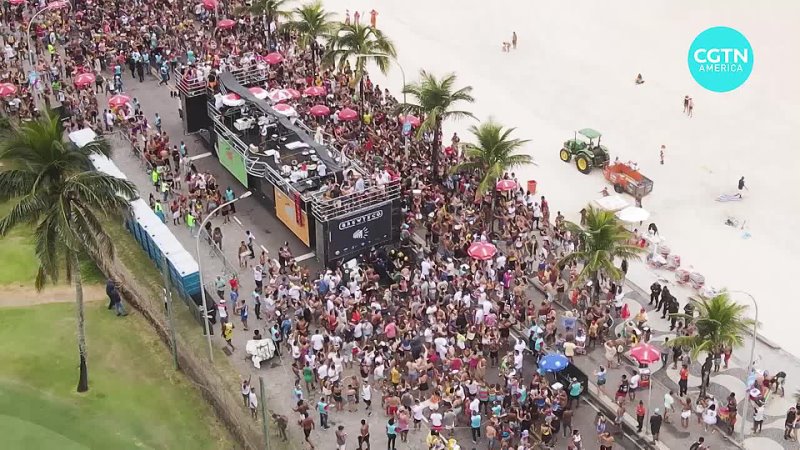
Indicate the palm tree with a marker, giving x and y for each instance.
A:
(57, 193)
(311, 21)
(435, 101)
(361, 43)
(269, 10)
(602, 239)
(720, 322)
(493, 153)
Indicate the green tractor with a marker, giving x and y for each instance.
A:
(587, 154)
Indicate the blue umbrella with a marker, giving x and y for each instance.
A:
(554, 362)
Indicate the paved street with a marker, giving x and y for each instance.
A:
(270, 234)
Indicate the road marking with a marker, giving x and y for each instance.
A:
(305, 257)
(237, 220)
(200, 156)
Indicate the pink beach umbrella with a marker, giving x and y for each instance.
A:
(118, 100)
(315, 91)
(273, 58)
(348, 115)
(7, 89)
(482, 251)
(280, 95)
(83, 80)
(226, 24)
(645, 353)
(259, 93)
(320, 110)
(410, 119)
(506, 185)
(286, 110)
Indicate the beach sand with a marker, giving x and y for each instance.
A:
(574, 67)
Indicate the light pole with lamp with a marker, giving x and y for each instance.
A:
(59, 4)
(200, 269)
(402, 72)
(750, 361)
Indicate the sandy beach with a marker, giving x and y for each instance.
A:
(574, 67)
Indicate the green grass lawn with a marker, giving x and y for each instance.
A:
(18, 258)
(136, 400)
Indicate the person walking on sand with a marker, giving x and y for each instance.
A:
(514, 40)
(661, 153)
(356, 17)
(686, 104)
(347, 19)
(691, 106)
(253, 403)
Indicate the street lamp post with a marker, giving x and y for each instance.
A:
(402, 72)
(31, 50)
(750, 361)
(200, 269)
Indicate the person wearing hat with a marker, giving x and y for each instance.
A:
(655, 424)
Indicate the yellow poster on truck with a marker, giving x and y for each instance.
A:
(285, 209)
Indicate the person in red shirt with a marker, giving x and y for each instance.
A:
(683, 382)
(640, 414)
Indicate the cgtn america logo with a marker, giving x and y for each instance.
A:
(720, 59)
(360, 220)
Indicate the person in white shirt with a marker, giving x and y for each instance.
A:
(317, 341)
(436, 420)
(417, 414)
(366, 395)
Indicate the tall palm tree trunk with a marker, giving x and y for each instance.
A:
(83, 378)
(313, 58)
(268, 26)
(437, 144)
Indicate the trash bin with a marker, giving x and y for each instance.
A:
(532, 186)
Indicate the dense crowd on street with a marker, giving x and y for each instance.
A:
(422, 333)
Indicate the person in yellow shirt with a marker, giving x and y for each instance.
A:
(395, 376)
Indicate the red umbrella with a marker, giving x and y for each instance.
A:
(210, 5)
(7, 90)
(645, 353)
(84, 79)
(413, 120)
(315, 91)
(16, 2)
(259, 93)
(482, 251)
(273, 58)
(294, 93)
(320, 110)
(348, 115)
(506, 185)
(118, 100)
(226, 24)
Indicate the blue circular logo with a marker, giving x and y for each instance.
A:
(720, 59)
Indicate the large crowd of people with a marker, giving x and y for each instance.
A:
(423, 330)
